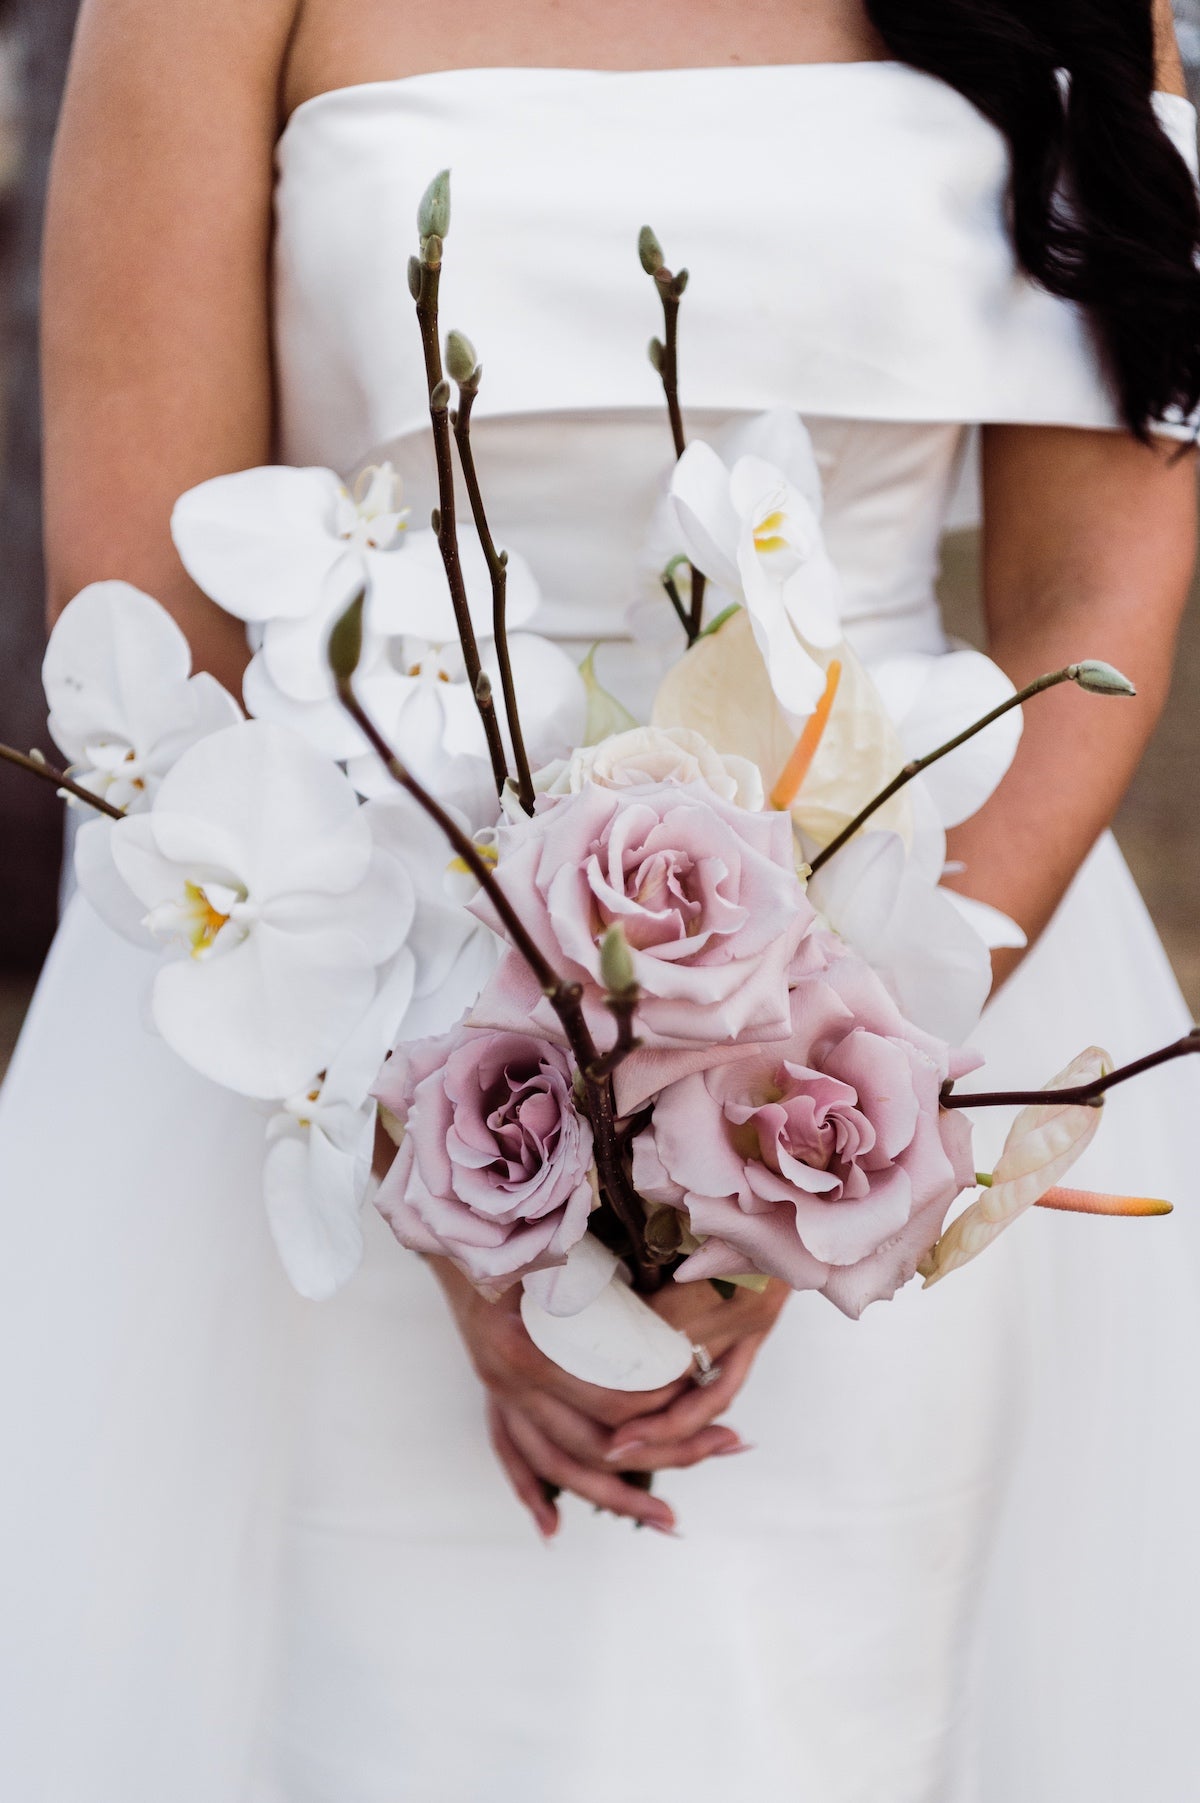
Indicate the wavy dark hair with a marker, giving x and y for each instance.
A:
(1126, 249)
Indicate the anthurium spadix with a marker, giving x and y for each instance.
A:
(257, 868)
(758, 537)
(1043, 1143)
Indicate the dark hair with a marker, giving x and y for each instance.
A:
(1126, 249)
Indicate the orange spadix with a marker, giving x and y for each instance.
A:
(797, 767)
(1091, 1202)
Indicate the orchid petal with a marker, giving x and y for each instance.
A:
(617, 1341)
(934, 698)
(261, 542)
(568, 1289)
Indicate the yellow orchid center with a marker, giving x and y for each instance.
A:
(768, 534)
(204, 921)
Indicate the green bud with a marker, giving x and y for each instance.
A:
(483, 688)
(433, 214)
(435, 519)
(346, 640)
(431, 252)
(656, 353)
(616, 962)
(679, 285)
(502, 559)
(461, 361)
(1101, 679)
(414, 277)
(649, 251)
(664, 1232)
(439, 399)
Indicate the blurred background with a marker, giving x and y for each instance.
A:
(1159, 826)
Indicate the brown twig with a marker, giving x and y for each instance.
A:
(497, 564)
(664, 355)
(425, 280)
(1086, 1095)
(48, 774)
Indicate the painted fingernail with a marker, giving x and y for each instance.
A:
(727, 1452)
(660, 1527)
(621, 1452)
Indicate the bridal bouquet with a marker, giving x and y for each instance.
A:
(674, 1001)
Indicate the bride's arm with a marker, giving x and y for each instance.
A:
(157, 361)
(1089, 543)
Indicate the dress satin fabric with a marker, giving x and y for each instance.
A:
(254, 1550)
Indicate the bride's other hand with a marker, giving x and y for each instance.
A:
(549, 1428)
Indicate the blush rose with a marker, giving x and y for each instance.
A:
(707, 895)
(826, 1159)
(494, 1165)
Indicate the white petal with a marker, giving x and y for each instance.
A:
(780, 438)
(934, 698)
(996, 930)
(552, 697)
(617, 1341)
(355, 1066)
(261, 542)
(410, 593)
(294, 648)
(324, 724)
(569, 1288)
(797, 679)
(105, 887)
(116, 665)
(313, 1195)
(708, 522)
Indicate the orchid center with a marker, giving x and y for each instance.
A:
(113, 770)
(207, 918)
(372, 516)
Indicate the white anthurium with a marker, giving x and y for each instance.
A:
(1043, 1143)
(720, 690)
(264, 543)
(317, 1168)
(123, 702)
(930, 955)
(257, 865)
(592, 1325)
(758, 536)
(931, 699)
(454, 953)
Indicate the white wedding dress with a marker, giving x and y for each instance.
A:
(257, 1551)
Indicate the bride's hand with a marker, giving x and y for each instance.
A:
(548, 1428)
(732, 1330)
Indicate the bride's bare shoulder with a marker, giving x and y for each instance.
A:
(175, 50)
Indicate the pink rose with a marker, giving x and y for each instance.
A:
(494, 1167)
(706, 892)
(826, 1159)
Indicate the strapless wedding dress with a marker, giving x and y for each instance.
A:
(257, 1551)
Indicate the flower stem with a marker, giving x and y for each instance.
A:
(917, 765)
(1083, 1094)
(48, 774)
(445, 521)
(498, 571)
(665, 356)
(565, 998)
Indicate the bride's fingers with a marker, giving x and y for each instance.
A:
(584, 1440)
(525, 1481)
(603, 1488)
(693, 1411)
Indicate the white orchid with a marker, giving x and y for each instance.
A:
(931, 698)
(317, 1169)
(257, 863)
(123, 701)
(757, 535)
(1043, 1143)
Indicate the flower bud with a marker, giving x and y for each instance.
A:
(483, 688)
(439, 398)
(344, 649)
(649, 251)
(679, 286)
(433, 214)
(435, 519)
(616, 962)
(461, 361)
(656, 354)
(414, 277)
(1101, 679)
(664, 1234)
(431, 252)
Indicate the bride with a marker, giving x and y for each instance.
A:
(257, 1550)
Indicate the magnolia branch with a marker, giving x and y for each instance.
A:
(1094, 677)
(37, 766)
(466, 372)
(425, 274)
(664, 355)
(1086, 1095)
